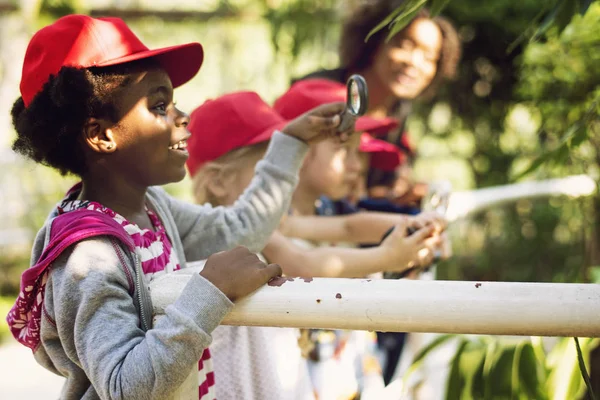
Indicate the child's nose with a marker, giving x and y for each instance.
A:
(417, 58)
(182, 119)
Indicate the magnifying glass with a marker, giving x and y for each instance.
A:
(357, 101)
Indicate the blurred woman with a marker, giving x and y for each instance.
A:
(411, 65)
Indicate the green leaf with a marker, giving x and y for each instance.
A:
(531, 31)
(489, 356)
(438, 5)
(466, 376)
(402, 21)
(498, 377)
(566, 10)
(528, 373)
(535, 164)
(585, 4)
(579, 137)
(538, 349)
(438, 341)
(564, 380)
(456, 379)
(385, 22)
(570, 138)
(515, 376)
(583, 370)
(595, 274)
(417, 361)
(548, 21)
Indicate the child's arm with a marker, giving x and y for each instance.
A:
(396, 253)
(90, 295)
(205, 230)
(250, 221)
(362, 227)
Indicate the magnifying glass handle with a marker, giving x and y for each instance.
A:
(346, 122)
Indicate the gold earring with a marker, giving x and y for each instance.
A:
(109, 146)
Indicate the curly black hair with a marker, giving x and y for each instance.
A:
(50, 128)
(357, 55)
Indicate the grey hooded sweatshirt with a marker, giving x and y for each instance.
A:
(96, 324)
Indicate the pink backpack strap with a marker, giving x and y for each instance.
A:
(24, 318)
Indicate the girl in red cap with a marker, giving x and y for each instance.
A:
(319, 192)
(97, 103)
(222, 162)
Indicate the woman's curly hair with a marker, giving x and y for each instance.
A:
(357, 55)
(50, 127)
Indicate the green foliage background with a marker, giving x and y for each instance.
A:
(484, 129)
(526, 96)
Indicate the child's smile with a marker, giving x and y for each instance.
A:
(181, 145)
(179, 148)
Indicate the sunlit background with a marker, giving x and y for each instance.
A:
(506, 107)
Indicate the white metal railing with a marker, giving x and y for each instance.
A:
(463, 204)
(498, 308)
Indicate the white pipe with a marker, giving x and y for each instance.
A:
(497, 308)
(461, 204)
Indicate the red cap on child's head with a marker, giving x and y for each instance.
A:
(386, 156)
(227, 123)
(310, 93)
(84, 42)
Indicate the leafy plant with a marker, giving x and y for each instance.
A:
(490, 367)
(557, 13)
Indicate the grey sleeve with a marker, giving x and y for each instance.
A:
(99, 327)
(251, 220)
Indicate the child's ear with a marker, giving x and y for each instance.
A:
(218, 183)
(98, 136)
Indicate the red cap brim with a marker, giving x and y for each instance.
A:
(267, 133)
(181, 62)
(385, 156)
(375, 126)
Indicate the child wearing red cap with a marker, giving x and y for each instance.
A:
(317, 195)
(97, 103)
(320, 180)
(222, 162)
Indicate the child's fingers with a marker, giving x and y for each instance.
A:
(417, 223)
(329, 109)
(343, 137)
(324, 122)
(398, 233)
(425, 257)
(422, 233)
(431, 218)
(433, 242)
(271, 271)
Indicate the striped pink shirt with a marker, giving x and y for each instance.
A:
(156, 253)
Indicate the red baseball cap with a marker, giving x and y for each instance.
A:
(83, 41)
(386, 156)
(307, 94)
(229, 122)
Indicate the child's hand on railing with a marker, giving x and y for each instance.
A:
(238, 272)
(433, 218)
(318, 124)
(408, 250)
